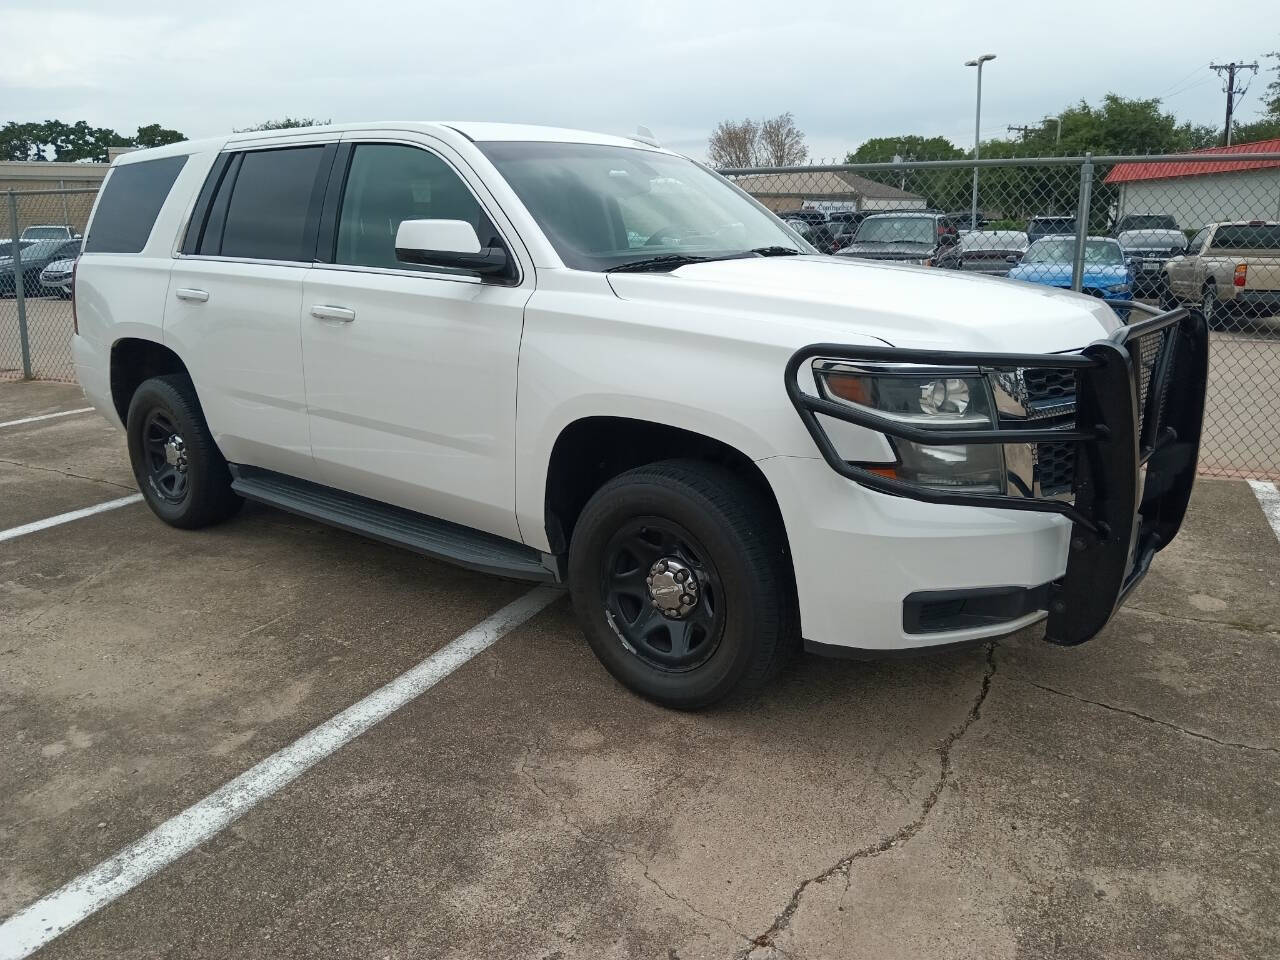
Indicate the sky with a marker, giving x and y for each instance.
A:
(846, 70)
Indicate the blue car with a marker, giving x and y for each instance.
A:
(1106, 274)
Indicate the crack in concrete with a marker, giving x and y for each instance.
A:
(66, 473)
(1150, 719)
(524, 771)
(843, 866)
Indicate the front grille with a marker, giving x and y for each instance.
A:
(1050, 402)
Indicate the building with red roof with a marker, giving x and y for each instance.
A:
(1239, 182)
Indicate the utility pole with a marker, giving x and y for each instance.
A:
(1232, 91)
(1020, 130)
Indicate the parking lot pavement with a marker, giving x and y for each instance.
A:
(1117, 799)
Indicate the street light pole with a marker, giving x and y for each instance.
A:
(977, 134)
(1057, 137)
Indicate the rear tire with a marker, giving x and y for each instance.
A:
(179, 468)
(717, 550)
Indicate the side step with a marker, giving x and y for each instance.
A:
(434, 538)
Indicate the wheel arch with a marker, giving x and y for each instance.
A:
(590, 451)
(135, 360)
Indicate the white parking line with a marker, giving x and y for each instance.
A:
(27, 931)
(36, 525)
(45, 416)
(1269, 499)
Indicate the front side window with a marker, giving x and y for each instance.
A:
(267, 217)
(388, 183)
(604, 206)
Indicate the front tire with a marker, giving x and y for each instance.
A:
(1211, 306)
(681, 580)
(179, 468)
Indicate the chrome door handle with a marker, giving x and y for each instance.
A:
(191, 294)
(341, 314)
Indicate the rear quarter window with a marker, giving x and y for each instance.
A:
(130, 203)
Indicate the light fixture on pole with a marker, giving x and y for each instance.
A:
(1057, 137)
(977, 134)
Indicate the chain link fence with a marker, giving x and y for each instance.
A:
(1203, 230)
(39, 240)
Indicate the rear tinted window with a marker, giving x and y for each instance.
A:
(1247, 237)
(130, 203)
(270, 202)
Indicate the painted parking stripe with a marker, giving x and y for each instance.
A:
(1269, 499)
(45, 416)
(36, 525)
(29, 930)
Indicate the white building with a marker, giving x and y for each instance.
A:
(1196, 192)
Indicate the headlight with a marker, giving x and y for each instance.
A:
(1118, 288)
(955, 398)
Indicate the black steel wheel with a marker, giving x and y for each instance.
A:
(681, 580)
(179, 468)
(166, 456)
(663, 594)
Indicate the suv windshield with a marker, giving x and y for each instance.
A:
(898, 230)
(1062, 250)
(604, 206)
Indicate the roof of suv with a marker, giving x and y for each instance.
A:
(474, 131)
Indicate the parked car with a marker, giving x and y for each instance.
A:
(1048, 226)
(805, 214)
(904, 237)
(1231, 269)
(56, 278)
(1145, 221)
(34, 259)
(573, 358)
(1050, 261)
(850, 217)
(1148, 249)
(963, 219)
(823, 235)
(48, 231)
(992, 252)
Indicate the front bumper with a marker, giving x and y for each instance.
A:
(1136, 445)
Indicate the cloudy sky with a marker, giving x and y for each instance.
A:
(847, 70)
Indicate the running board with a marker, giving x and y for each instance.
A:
(428, 536)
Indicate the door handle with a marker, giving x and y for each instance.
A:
(191, 294)
(341, 314)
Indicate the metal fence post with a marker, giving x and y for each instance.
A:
(1082, 221)
(19, 293)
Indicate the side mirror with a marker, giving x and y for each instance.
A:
(948, 239)
(452, 244)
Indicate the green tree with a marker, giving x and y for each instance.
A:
(908, 147)
(154, 135)
(288, 123)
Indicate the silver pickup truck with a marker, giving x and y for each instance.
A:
(1229, 269)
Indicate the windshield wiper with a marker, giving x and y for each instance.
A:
(775, 251)
(668, 261)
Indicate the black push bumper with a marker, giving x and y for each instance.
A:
(1139, 406)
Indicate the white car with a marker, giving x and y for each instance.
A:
(56, 277)
(567, 357)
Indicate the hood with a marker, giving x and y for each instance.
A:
(816, 298)
(1059, 274)
(888, 251)
(1162, 240)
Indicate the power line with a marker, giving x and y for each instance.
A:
(1231, 89)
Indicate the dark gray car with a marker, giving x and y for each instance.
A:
(902, 237)
(34, 259)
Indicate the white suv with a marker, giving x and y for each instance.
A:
(560, 356)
